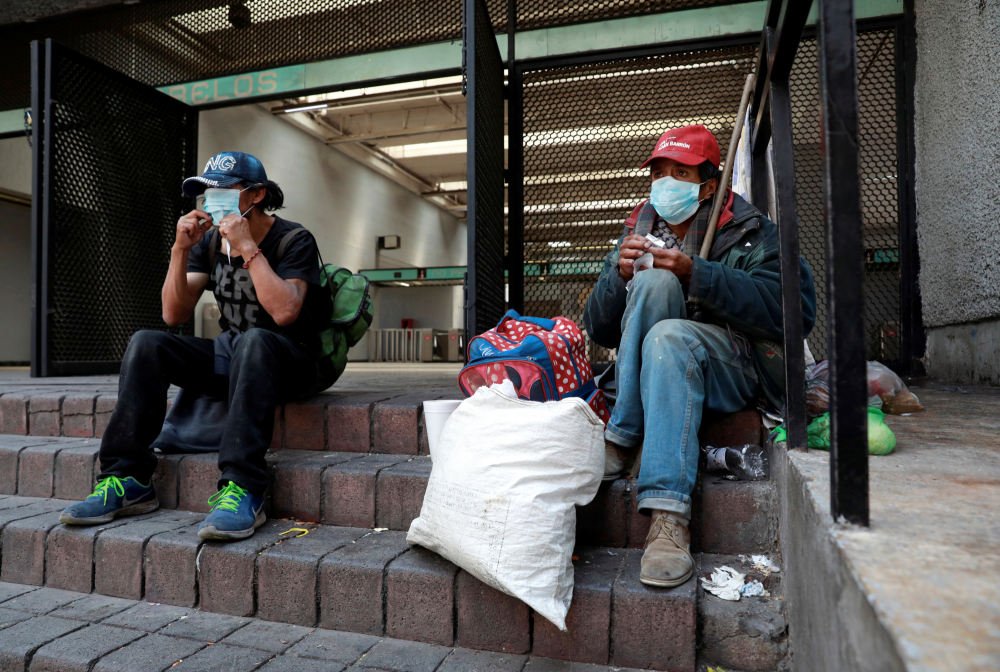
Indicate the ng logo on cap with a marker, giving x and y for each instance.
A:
(220, 163)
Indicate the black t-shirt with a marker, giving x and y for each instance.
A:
(234, 290)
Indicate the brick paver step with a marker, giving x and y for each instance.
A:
(359, 580)
(377, 490)
(389, 422)
(46, 630)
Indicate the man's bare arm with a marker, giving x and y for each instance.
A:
(282, 299)
(181, 289)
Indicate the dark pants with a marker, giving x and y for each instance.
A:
(266, 369)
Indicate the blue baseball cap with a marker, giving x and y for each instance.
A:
(224, 170)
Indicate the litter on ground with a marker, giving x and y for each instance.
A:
(728, 584)
(761, 563)
(725, 582)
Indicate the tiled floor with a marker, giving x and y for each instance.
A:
(57, 629)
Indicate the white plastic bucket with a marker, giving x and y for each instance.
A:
(435, 415)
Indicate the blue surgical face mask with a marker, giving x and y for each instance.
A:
(673, 200)
(222, 202)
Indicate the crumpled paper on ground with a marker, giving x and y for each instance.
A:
(761, 563)
(725, 582)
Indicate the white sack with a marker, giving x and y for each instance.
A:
(501, 501)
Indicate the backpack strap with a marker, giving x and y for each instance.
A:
(287, 238)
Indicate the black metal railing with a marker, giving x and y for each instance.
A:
(771, 111)
(483, 84)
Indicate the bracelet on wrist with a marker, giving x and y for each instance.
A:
(247, 262)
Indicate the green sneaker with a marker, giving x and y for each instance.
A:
(112, 497)
(236, 514)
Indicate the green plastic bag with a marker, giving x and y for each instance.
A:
(881, 440)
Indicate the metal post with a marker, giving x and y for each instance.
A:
(845, 261)
(515, 170)
(781, 36)
(45, 230)
(911, 317)
(786, 207)
(37, 179)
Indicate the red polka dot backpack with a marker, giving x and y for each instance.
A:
(545, 360)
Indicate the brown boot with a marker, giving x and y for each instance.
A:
(617, 462)
(667, 561)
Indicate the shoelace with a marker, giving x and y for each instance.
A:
(666, 525)
(109, 483)
(227, 499)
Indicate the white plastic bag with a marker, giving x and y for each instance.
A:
(501, 501)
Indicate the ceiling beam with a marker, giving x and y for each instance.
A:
(370, 157)
(396, 133)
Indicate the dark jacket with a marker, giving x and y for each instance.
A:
(739, 286)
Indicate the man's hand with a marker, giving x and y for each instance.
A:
(190, 230)
(632, 248)
(236, 230)
(673, 260)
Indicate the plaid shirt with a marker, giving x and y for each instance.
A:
(664, 233)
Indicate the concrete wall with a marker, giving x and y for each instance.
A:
(398, 303)
(347, 206)
(15, 253)
(832, 625)
(15, 283)
(957, 119)
(15, 166)
(965, 353)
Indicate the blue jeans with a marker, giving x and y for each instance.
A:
(668, 370)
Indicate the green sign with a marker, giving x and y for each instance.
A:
(248, 85)
(446, 273)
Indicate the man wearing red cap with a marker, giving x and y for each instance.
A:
(670, 367)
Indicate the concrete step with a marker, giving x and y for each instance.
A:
(46, 629)
(363, 422)
(750, 635)
(378, 490)
(347, 579)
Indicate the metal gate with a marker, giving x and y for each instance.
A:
(483, 85)
(109, 156)
(589, 124)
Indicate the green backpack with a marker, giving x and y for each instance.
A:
(350, 316)
(350, 319)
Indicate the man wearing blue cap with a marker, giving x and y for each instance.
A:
(266, 281)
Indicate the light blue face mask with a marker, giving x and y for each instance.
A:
(223, 202)
(673, 200)
(220, 203)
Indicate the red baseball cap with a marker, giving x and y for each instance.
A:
(690, 145)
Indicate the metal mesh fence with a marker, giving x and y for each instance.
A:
(170, 41)
(879, 189)
(486, 166)
(541, 13)
(118, 153)
(587, 129)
